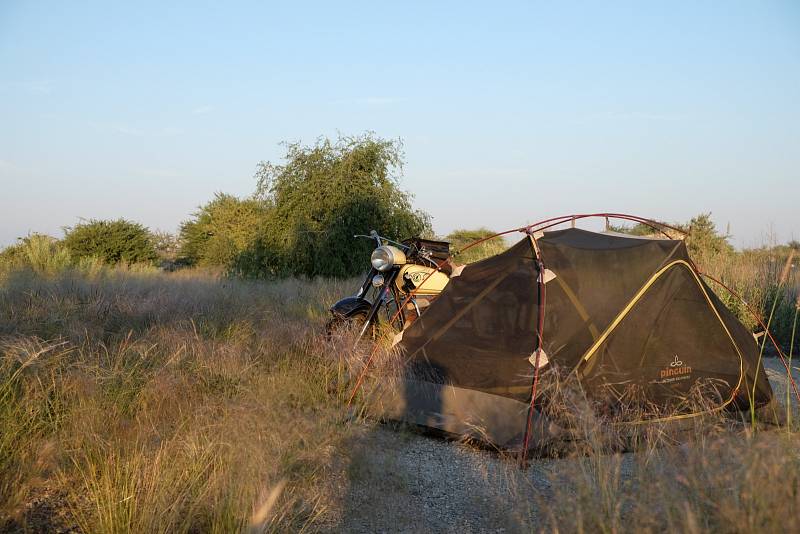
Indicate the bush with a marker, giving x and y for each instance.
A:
(221, 230)
(704, 238)
(638, 229)
(41, 253)
(461, 238)
(319, 198)
(112, 242)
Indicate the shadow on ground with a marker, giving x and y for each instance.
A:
(397, 480)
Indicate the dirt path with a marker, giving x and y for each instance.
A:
(404, 482)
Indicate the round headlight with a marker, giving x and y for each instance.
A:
(377, 280)
(382, 259)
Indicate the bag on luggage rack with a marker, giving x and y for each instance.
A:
(438, 251)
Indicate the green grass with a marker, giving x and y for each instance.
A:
(767, 282)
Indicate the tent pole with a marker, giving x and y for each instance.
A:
(555, 221)
(539, 336)
(408, 298)
(527, 229)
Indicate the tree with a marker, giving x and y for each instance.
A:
(113, 242)
(320, 197)
(460, 238)
(221, 230)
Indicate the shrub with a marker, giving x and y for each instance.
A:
(113, 242)
(639, 229)
(221, 230)
(704, 238)
(461, 238)
(12, 257)
(319, 198)
(41, 253)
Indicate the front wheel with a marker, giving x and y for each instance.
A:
(342, 324)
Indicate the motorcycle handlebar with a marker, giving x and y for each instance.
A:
(379, 239)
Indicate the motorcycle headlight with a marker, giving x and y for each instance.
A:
(386, 257)
(382, 259)
(377, 280)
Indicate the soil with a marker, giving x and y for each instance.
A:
(409, 482)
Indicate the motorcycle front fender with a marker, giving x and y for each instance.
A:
(350, 306)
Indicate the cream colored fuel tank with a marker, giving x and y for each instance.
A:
(417, 273)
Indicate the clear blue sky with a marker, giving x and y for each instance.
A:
(510, 112)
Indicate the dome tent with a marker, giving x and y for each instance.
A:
(622, 313)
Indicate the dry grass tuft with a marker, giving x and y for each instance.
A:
(156, 403)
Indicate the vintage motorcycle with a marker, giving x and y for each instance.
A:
(397, 270)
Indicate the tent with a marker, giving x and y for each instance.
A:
(622, 313)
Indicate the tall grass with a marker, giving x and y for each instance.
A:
(137, 401)
(769, 281)
(142, 402)
(791, 354)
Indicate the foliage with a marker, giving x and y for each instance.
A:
(167, 245)
(43, 254)
(320, 197)
(705, 239)
(702, 235)
(221, 230)
(460, 238)
(639, 229)
(763, 277)
(113, 242)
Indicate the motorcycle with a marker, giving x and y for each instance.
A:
(397, 270)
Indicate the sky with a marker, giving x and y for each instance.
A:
(509, 112)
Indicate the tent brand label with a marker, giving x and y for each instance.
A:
(675, 371)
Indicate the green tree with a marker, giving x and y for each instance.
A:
(221, 230)
(320, 197)
(460, 238)
(113, 242)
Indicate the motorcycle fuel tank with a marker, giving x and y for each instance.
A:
(416, 274)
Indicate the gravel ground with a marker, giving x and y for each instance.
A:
(399, 481)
